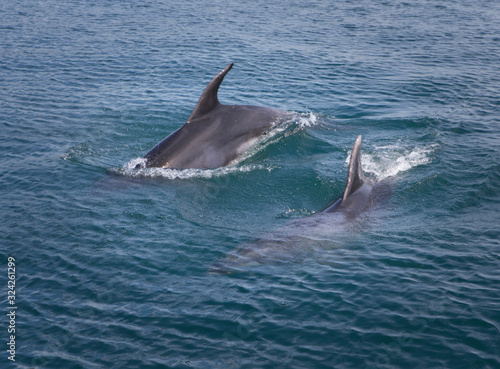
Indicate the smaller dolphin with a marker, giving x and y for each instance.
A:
(214, 134)
(301, 237)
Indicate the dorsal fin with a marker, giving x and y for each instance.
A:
(355, 178)
(208, 99)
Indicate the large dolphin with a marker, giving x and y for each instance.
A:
(214, 134)
(302, 237)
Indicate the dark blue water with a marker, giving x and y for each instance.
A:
(112, 264)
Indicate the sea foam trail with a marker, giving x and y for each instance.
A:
(290, 126)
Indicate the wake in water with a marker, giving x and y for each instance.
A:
(137, 168)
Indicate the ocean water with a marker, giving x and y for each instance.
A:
(112, 264)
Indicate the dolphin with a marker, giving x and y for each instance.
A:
(302, 237)
(214, 134)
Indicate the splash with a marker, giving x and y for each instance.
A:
(129, 169)
(307, 120)
(388, 161)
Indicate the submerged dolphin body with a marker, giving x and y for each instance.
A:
(301, 237)
(214, 134)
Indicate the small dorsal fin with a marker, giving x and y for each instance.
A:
(208, 99)
(355, 178)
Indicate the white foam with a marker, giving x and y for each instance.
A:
(307, 120)
(129, 169)
(388, 161)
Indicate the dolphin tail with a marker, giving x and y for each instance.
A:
(208, 99)
(355, 178)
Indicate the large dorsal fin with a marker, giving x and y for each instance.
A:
(208, 99)
(355, 178)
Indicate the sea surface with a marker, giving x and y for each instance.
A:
(113, 264)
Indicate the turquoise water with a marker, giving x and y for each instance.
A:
(112, 264)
